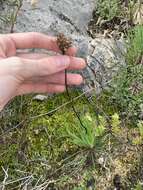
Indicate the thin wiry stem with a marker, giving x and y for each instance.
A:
(64, 44)
(72, 105)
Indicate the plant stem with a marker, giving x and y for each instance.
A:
(74, 110)
(14, 16)
(64, 44)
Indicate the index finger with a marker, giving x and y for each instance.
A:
(37, 40)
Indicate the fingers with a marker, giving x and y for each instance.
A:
(37, 40)
(33, 40)
(50, 65)
(71, 52)
(59, 78)
(45, 66)
(75, 62)
(32, 55)
(40, 88)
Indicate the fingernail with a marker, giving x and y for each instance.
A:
(81, 62)
(79, 80)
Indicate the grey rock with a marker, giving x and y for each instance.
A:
(40, 97)
(54, 16)
(105, 58)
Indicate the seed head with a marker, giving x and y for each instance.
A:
(63, 42)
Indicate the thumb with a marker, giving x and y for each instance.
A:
(45, 66)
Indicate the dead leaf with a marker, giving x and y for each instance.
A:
(138, 14)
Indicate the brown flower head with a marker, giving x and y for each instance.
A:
(63, 42)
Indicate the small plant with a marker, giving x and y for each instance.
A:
(138, 134)
(93, 137)
(127, 85)
(108, 9)
(139, 186)
(140, 126)
(115, 123)
(135, 45)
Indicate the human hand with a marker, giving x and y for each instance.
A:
(23, 73)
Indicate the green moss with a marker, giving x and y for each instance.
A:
(42, 146)
(37, 140)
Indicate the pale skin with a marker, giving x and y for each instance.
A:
(24, 73)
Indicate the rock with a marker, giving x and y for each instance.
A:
(104, 59)
(101, 160)
(54, 16)
(40, 97)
